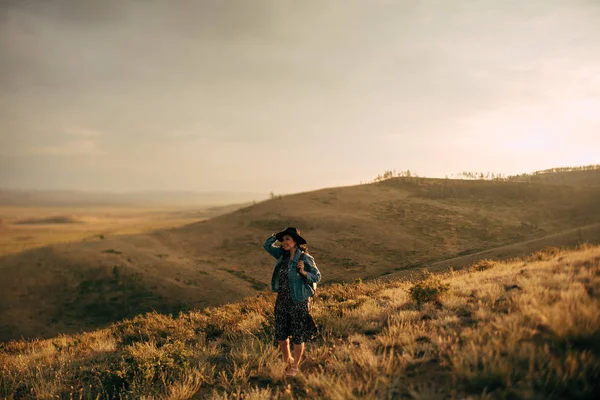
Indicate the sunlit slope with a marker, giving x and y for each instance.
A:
(361, 231)
(367, 230)
(525, 329)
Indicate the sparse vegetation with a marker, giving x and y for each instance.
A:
(274, 196)
(389, 174)
(587, 174)
(525, 329)
(57, 219)
(562, 175)
(383, 229)
(112, 251)
(544, 254)
(482, 265)
(428, 289)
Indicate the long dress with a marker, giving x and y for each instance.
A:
(292, 319)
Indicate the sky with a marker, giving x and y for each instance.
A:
(285, 96)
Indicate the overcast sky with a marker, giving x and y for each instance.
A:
(286, 96)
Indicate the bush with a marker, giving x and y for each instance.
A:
(428, 289)
(482, 265)
(148, 369)
(545, 254)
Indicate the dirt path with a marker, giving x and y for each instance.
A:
(568, 238)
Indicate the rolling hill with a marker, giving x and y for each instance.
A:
(363, 231)
(588, 175)
(525, 329)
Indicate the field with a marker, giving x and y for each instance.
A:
(389, 228)
(416, 302)
(527, 328)
(24, 228)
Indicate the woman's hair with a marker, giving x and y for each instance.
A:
(302, 247)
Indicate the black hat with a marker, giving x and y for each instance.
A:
(293, 232)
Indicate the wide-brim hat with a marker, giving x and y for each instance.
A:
(293, 232)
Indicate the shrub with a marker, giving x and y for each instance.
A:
(545, 254)
(112, 251)
(148, 369)
(428, 289)
(482, 265)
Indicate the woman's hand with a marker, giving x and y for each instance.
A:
(301, 270)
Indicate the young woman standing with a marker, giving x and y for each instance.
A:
(294, 279)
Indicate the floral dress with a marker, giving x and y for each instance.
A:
(292, 319)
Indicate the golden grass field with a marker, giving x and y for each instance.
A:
(364, 231)
(528, 328)
(24, 228)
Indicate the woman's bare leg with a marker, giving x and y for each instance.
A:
(298, 351)
(285, 350)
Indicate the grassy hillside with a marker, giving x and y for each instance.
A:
(577, 176)
(529, 328)
(363, 231)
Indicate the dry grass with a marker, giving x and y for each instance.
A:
(529, 328)
(24, 228)
(363, 231)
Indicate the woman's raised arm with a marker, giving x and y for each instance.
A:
(272, 250)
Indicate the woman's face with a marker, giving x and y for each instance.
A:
(287, 243)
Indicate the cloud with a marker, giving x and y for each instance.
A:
(80, 147)
(354, 87)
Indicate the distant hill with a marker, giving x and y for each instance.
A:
(526, 329)
(54, 198)
(579, 176)
(362, 231)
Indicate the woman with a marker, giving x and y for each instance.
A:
(294, 279)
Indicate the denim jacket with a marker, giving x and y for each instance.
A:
(301, 288)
